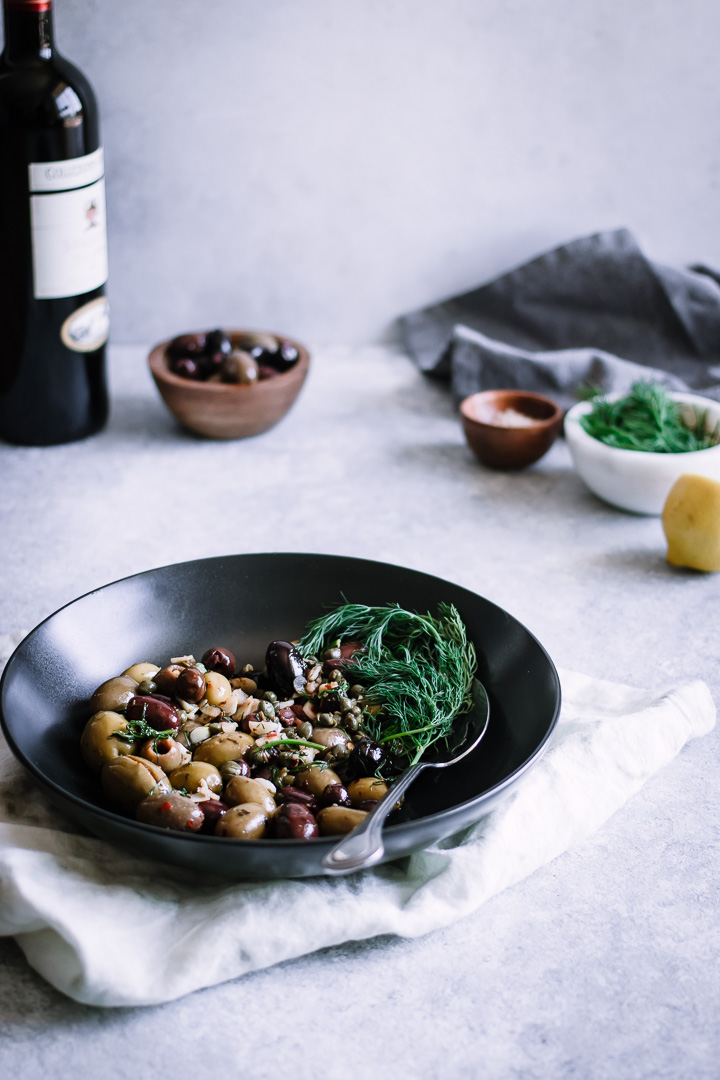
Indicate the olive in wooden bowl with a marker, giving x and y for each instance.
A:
(229, 384)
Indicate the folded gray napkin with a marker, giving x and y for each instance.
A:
(593, 312)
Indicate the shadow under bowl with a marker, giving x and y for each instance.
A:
(510, 429)
(228, 410)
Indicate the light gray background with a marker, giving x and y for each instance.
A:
(320, 166)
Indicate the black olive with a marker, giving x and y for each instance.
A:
(186, 345)
(216, 342)
(187, 368)
(286, 356)
(365, 758)
(283, 665)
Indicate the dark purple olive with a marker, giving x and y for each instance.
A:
(221, 660)
(159, 714)
(283, 665)
(166, 678)
(190, 685)
(213, 810)
(334, 795)
(246, 720)
(187, 368)
(287, 717)
(216, 342)
(186, 345)
(286, 356)
(365, 758)
(292, 794)
(294, 822)
(263, 771)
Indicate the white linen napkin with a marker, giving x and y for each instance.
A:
(67, 898)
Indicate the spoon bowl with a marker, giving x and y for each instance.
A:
(364, 846)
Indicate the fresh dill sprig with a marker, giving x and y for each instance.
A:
(418, 668)
(648, 419)
(140, 729)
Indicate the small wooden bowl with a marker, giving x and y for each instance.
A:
(228, 410)
(500, 445)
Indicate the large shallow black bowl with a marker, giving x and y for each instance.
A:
(243, 602)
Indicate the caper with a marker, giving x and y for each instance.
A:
(332, 654)
(305, 730)
(351, 721)
(357, 690)
(345, 704)
(267, 709)
(228, 769)
(336, 675)
(147, 686)
(356, 710)
(326, 719)
(270, 696)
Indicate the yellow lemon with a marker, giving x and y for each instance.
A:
(691, 520)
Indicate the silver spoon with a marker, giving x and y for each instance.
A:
(364, 846)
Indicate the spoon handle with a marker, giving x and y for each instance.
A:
(364, 845)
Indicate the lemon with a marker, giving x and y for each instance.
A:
(691, 520)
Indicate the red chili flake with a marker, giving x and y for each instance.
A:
(166, 806)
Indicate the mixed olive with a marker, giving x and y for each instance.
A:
(213, 357)
(208, 746)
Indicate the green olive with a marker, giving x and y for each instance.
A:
(336, 820)
(367, 787)
(128, 780)
(138, 672)
(113, 694)
(224, 748)
(243, 789)
(244, 822)
(99, 744)
(217, 688)
(167, 753)
(330, 736)
(192, 775)
(248, 686)
(170, 810)
(315, 779)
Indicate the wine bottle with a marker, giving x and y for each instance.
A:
(53, 247)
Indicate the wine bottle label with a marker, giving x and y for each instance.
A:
(69, 232)
(88, 327)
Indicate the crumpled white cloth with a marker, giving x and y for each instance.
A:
(73, 903)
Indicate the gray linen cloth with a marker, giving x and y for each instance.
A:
(595, 312)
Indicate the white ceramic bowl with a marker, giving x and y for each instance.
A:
(634, 479)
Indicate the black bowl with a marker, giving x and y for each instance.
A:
(243, 602)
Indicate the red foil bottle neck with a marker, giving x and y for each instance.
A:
(28, 5)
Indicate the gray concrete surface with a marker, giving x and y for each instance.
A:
(601, 966)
